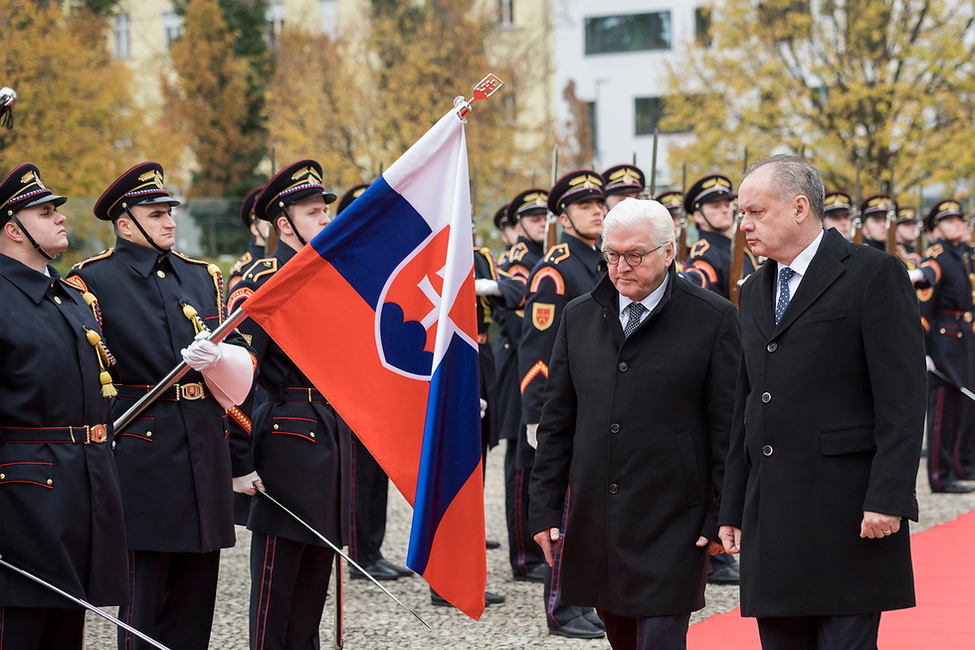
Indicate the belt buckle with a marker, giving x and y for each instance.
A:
(96, 433)
(190, 392)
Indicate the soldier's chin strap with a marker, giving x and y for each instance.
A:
(33, 242)
(294, 228)
(143, 230)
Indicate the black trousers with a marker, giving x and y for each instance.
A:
(523, 553)
(556, 612)
(289, 581)
(647, 632)
(945, 410)
(370, 490)
(42, 628)
(171, 599)
(819, 632)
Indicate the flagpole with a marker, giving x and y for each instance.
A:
(175, 374)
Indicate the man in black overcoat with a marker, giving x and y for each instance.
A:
(635, 424)
(826, 435)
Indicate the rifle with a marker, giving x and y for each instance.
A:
(653, 165)
(919, 244)
(892, 214)
(737, 250)
(855, 211)
(682, 235)
(552, 220)
(272, 237)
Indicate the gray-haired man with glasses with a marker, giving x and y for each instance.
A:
(635, 426)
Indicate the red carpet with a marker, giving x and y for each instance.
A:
(944, 617)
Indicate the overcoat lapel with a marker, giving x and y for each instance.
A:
(825, 268)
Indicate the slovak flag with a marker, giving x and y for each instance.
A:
(379, 312)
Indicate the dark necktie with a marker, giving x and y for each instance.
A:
(636, 310)
(784, 276)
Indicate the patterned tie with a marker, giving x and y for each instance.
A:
(784, 276)
(636, 310)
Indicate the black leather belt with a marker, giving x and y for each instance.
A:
(295, 394)
(86, 434)
(175, 393)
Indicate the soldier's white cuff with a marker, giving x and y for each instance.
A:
(230, 378)
(531, 431)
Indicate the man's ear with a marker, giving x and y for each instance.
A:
(802, 207)
(12, 232)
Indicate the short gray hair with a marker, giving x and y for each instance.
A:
(642, 214)
(792, 176)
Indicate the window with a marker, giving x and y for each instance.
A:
(172, 28)
(275, 20)
(120, 36)
(702, 26)
(648, 112)
(506, 14)
(328, 13)
(632, 33)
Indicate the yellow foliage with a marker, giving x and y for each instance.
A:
(887, 83)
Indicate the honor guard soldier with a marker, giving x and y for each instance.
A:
(370, 491)
(709, 260)
(300, 450)
(838, 207)
(873, 211)
(257, 249)
(173, 461)
(508, 229)
(622, 182)
(529, 211)
(60, 506)
(568, 270)
(908, 229)
(945, 295)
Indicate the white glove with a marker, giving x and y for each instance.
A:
(483, 408)
(929, 363)
(226, 368)
(486, 287)
(532, 433)
(916, 275)
(249, 484)
(201, 354)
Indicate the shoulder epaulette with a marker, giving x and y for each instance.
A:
(486, 254)
(104, 254)
(518, 251)
(244, 260)
(260, 268)
(934, 251)
(699, 248)
(557, 253)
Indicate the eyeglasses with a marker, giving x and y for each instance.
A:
(632, 258)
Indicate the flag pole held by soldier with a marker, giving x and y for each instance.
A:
(892, 213)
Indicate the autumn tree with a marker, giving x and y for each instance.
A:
(886, 84)
(213, 103)
(358, 103)
(75, 117)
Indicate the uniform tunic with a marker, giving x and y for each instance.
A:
(173, 460)
(60, 507)
(709, 263)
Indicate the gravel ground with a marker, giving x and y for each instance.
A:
(372, 621)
